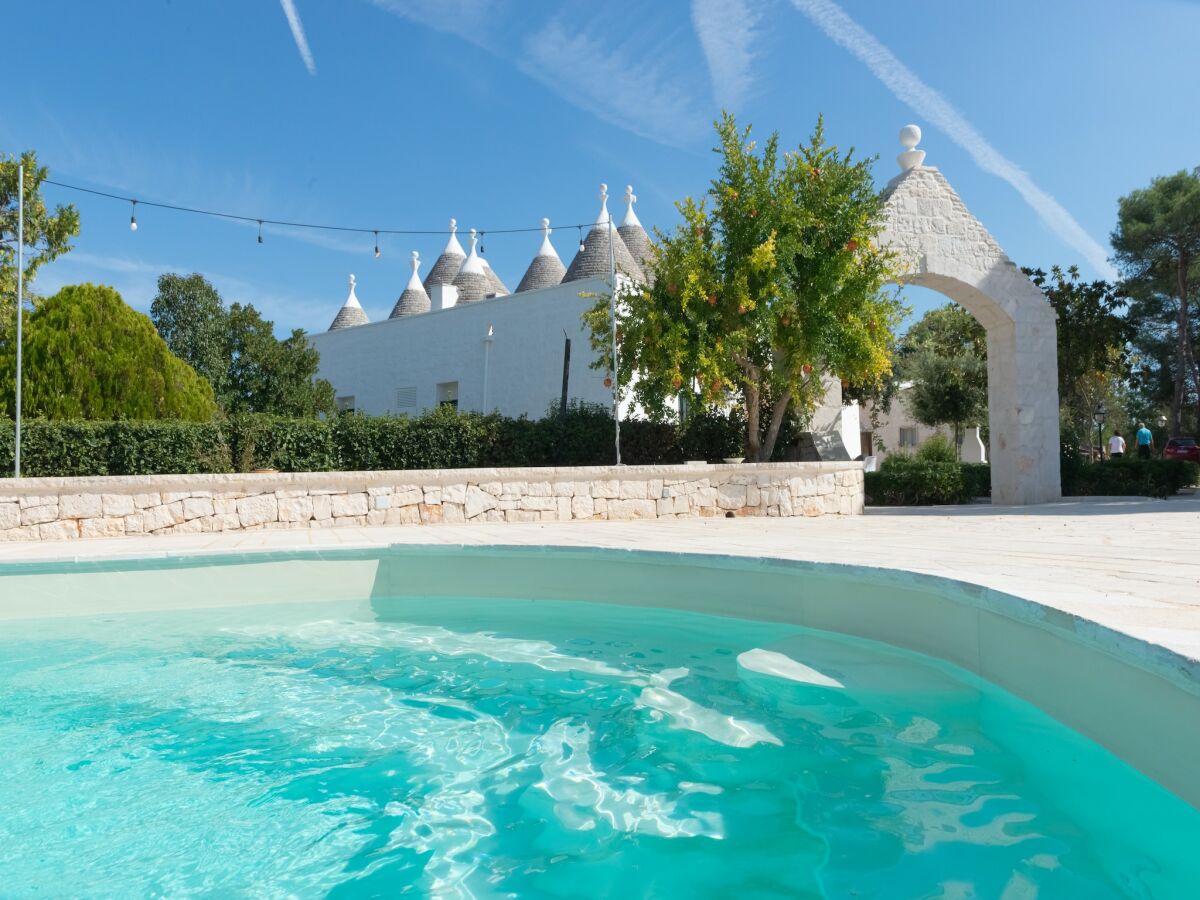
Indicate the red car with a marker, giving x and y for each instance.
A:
(1182, 448)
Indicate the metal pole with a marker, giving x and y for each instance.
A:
(562, 406)
(487, 353)
(612, 303)
(20, 306)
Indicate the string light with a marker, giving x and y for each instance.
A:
(133, 215)
(581, 246)
(260, 231)
(481, 234)
(377, 245)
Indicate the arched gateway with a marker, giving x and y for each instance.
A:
(942, 246)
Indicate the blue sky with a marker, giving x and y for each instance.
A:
(499, 112)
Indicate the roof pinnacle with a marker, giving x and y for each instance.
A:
(630, 216)
(910, 136)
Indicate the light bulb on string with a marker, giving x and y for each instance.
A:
(133, 215)
(581, 246)
(377, 245)
(260, 231)
(481, 234)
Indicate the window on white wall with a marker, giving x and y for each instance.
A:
(908, 438)
(447, 394)
(406, 398)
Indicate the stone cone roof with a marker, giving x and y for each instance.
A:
(496, 286)
(635, 237)
(545, 269)
(592, 260)
(446, 267)
(413, 300)
(351, 313)
(471, 280)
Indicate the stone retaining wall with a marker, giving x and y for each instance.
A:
(33, 509)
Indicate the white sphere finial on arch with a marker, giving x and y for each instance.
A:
(910, 136)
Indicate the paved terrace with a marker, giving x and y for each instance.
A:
(1133, 565)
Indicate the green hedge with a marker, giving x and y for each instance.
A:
(904, 481)
(440, 439)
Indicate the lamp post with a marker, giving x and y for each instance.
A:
(20, 305)
(1098, 416)
(488, 340)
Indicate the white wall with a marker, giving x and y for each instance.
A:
(370, 362)
(890, 423)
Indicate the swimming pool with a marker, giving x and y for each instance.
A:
(459, 722)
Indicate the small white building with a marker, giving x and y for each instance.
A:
(898, 431)
(459, 337)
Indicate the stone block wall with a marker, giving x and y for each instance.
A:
(42, 509)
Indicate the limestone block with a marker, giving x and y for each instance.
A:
(670, 506)
(10, 516)
(521, 515)
(62, 530)
(608, 489)
(145, 501)
(754, 496)
(538, 503)
(296, 509)
(197, 507)
(101, 527)
(563, 488)
(583, 507)
(25, 533)
(731, 496)
(563, 509)
(540, 489)
(322, 507)
(600, 504)
(37, 515)
(259, 509)
(495, 488)
(453, 513)
(812, 506)
(430, 513)
(492, 515)
(632, 509)
(376, 517)
(433, 496)
(477, 501)
(454, 493)
(134, 524)
(282, 494)
(654, 488)
(516, 488)
(354, 504)
(117, 505)
(509, 501)
(195, 526)
(634, 490)
(224, 507)
(407, 497)
(379, 492)
(350, 521)
(785, 504)
(174, 496)
(381, 502)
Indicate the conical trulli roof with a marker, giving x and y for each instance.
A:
(413, 300)
(448, 264)
(497, 287)
(545, 269)
(471, 280)
(592, 260)
(635, 237)
(351, 312)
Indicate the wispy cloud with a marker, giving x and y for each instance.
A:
(293, 17)
(927, 102)
(727, 33)
(467, 19)
(640, 94)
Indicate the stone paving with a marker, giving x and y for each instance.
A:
(1133, 565)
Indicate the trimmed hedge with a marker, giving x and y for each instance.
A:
(909, 481)
(441, 439)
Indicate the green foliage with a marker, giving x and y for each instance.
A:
(938, 449)
(265, 441)
(236, 350)
(947, 390)
(770, 281)
(947, 330)
(907, 481)
(47, 234)
(1127, 477)
(89, 356)
(1157, 244)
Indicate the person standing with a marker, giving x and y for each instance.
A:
(1145, 441)
(1116, 446)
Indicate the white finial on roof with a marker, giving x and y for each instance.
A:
(414, 281)
(352, 300)
(453, 246)
(630, 199)
(473, 263)
(910, 136)
(547, 249)
(604, 218)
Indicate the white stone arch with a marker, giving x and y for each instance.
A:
(941, 246)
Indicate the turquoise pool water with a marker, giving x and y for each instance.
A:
(541, 749)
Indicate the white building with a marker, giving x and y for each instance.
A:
(459, 337)
(898, 431)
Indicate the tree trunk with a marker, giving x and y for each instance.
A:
(777, 414)
(753, 438)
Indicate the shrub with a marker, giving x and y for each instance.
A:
(937, 449)
(908, 481)
(1128, 478)
(275, 442)
(977, 479)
